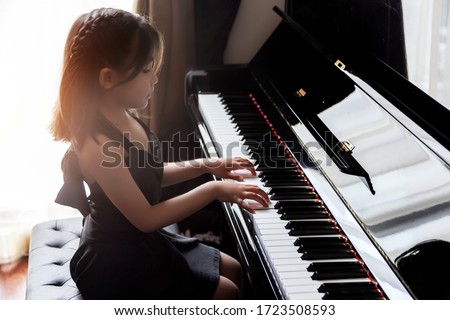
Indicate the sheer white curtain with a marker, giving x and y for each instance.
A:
(32, 35)
(427, 36)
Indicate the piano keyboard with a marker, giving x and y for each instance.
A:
(308, 252)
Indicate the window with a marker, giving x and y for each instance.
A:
(32, 35)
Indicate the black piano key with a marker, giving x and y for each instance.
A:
(242, 131)
(303, 215)
(282, 183)
(268, 165)
(284, 167)
(328, 254)
(344, 286)
(235, 97)
(320, 240)
(276, 197)
(226, 98)
(373, 295)
(331, 250)
(285, 163)
(273, 149)
(271, 178)
(242, 108)
(237, 100)
(347, 290)
(252, 124)
(338, 275)
(246, 117)
(267, 141)
(310, 224)
(313, 232)
(303, 247)
(236, 118)
(289, 190)
(337, 242)
(301, 209)
(258, 146)
(253, 130)
(253, 147)
(326, 266)
(284, 204)
(298, 203)
(294, 193)
(310, 228)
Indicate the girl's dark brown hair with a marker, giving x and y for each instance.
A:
(102, 38)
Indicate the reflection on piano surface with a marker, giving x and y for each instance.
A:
(354, 183)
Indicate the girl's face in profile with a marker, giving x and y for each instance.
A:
(136, 92)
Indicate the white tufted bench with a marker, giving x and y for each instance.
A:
(52, 245)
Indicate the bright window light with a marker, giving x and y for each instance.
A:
(32, 35)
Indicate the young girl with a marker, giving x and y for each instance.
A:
(111, 61)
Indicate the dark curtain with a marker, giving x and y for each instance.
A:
(213, 22)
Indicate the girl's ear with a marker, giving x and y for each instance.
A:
(107, 78)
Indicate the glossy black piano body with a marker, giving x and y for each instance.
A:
(299, 86)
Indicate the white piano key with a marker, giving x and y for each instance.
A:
(306, 296)
(266, 214)
(291, 261)
(268, 238)
(285, 255)
(281, 243)
(272, 231)
(285, 248)
(265, 223)
(289, 268)
(303, 289)
(288, 275)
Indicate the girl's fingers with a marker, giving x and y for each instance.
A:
(256, 197)
(246, 164)
(244, 173)
(247, 207)
(241, 163)
(236, 177)
(259, 191)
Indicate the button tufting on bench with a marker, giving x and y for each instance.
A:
(52, 245)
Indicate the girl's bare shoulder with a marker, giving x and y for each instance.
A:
(99, 152)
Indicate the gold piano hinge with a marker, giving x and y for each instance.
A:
(346, 146)
(340, 64)
(300, 93)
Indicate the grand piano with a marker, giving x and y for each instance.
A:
(356, 165)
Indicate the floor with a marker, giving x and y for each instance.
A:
(13, 279)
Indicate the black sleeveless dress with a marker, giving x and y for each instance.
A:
(115, 260)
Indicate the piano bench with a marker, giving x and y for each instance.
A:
(52, 245)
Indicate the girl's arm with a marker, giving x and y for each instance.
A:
(118, 184)
(176, 172)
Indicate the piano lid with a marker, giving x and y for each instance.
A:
(390, 171)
